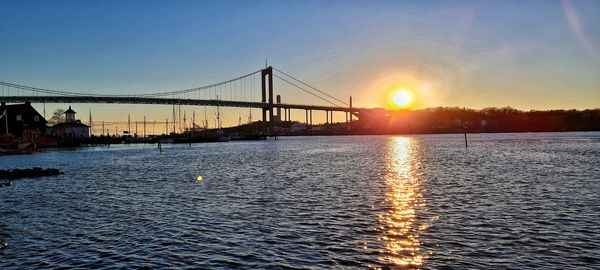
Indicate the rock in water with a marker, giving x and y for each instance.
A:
(28, 173)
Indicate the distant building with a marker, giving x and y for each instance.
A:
(71, 128)
(21, 118)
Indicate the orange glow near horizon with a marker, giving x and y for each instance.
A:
(401, 89)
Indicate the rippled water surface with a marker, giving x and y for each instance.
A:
(508, 201)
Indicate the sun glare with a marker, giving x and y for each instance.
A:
(402, 98)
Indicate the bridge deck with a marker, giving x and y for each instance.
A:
(170, 101)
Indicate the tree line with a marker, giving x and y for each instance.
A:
(507, 119)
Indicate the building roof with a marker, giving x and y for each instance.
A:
(70, 110)
(13, 109)
(70, 125)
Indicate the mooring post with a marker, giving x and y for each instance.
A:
(466, 144)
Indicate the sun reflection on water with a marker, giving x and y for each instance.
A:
(399, 225)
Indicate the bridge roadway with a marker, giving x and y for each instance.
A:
(172, 101)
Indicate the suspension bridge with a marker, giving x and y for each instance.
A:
(240, 92)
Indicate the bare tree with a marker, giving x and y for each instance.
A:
(58, 116)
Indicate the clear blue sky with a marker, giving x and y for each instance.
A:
(524, 54)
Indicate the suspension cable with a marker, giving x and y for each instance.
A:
(160, 94)
(307, 91)
(322, 92)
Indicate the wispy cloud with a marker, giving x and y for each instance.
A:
(577, 29)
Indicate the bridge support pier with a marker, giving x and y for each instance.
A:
(350, 113)
(279, 109)
(306, 112)
(267, 72)
(264, 100)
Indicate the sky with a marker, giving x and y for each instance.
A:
(475, 54)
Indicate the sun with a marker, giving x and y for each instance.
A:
(402, 98)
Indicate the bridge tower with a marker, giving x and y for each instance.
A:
(267, 81)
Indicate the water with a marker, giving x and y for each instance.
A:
(508, 201)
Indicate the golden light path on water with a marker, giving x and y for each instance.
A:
(399, 225)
